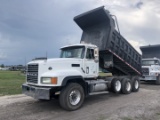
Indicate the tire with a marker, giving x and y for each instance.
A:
(126, 86)
(116, 85)
(135, 84)
(72, 97)
(158, 80)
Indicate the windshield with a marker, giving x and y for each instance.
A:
(150, 62)
(72, 52)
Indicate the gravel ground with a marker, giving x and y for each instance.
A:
(143, 105)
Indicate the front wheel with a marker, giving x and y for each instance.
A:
(72, 97)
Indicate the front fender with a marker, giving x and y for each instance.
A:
(61, 75)
(73, 79)
(76, 79)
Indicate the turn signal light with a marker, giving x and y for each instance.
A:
(54, 80)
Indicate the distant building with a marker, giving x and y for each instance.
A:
(17, 68)
(14, 68)
(5, 68)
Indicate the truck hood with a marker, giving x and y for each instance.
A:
(58, 67)
(58, 64)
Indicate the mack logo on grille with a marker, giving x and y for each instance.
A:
(32, 74)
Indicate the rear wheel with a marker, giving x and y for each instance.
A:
(72, 97)
(135, 84)
(116, 85)
(126, 86)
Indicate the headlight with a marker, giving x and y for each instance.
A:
(154, 74)
(48, 80)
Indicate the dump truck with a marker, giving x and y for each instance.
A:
(151, 63)
(102, 62)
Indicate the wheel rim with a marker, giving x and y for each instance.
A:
(128, 86)
(136, 84)
(75, 97)
(118, 85)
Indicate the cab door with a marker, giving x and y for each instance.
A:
(90, 65)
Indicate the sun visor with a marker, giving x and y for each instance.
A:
(150, 51)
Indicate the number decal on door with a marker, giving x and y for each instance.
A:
(87, 70)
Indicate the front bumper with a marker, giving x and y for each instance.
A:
(148, 78)
(36, 92)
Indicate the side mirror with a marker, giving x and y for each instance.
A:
(96, 55)
(96, 52)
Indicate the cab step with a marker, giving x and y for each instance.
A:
(97, 93)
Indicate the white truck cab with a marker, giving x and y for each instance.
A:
(151, 69)
(151, 63)
(75, 60)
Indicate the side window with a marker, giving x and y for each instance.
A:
(90, 54)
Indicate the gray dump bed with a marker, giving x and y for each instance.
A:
(99, 29)
(150, 51)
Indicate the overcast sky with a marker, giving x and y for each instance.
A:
(32, 28)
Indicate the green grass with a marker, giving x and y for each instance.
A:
(10, 82)
(157, 113)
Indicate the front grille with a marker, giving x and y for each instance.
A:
(32, 73)
(145, 71)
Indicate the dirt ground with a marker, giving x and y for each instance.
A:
(143, 105)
